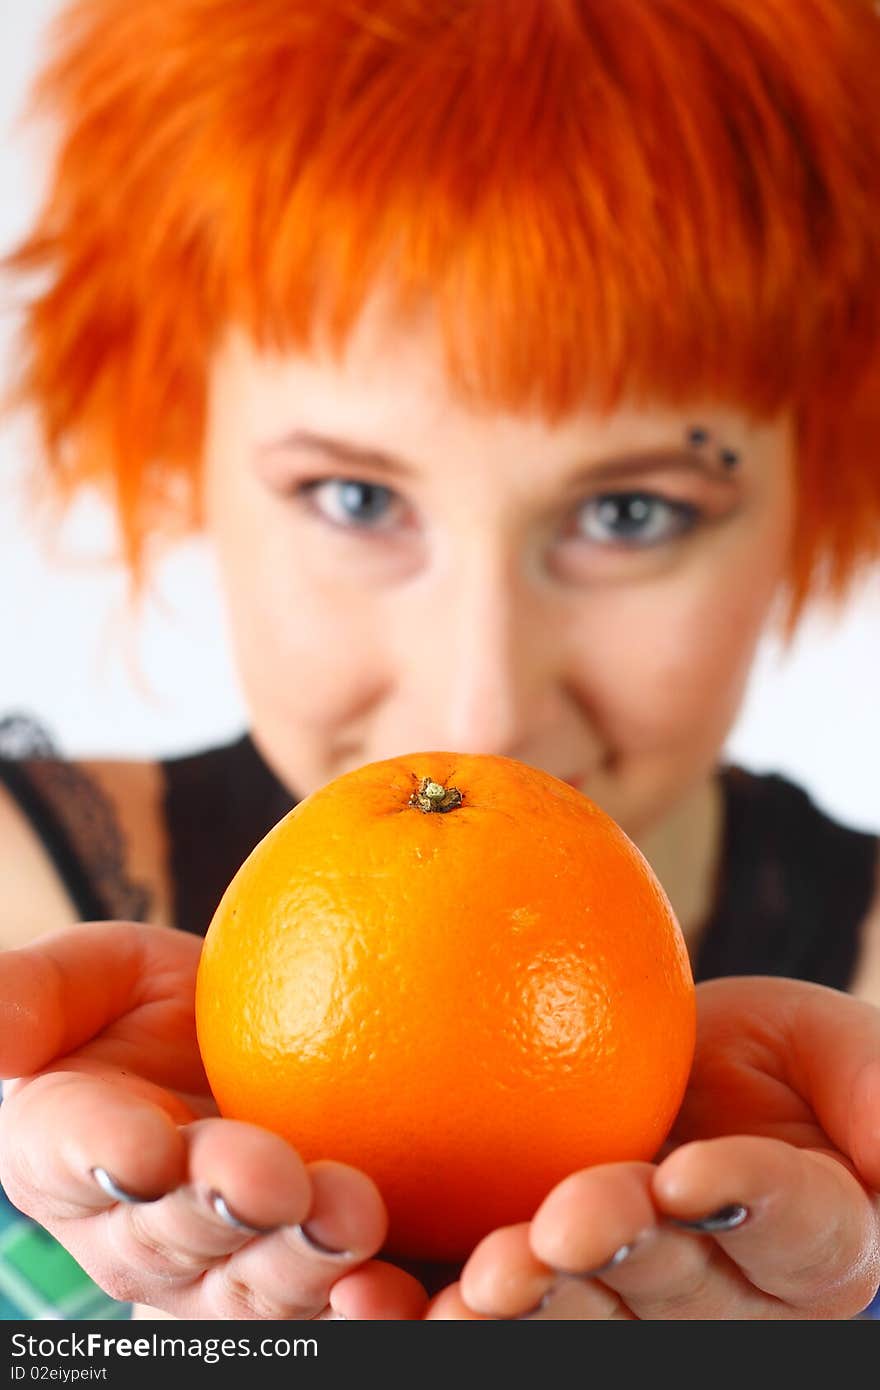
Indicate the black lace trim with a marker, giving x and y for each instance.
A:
(22, 737)
(75, 821)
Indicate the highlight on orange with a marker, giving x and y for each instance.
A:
(672, 198)
(458, 974)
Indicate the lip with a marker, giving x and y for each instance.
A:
(576, 782)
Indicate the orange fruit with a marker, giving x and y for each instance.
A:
(467, 1002)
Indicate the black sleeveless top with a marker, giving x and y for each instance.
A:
(793, 885)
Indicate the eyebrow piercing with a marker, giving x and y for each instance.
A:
(697, 436)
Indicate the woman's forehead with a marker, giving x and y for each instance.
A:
(390, 380)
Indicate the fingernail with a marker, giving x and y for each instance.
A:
(538, 1308)
(318, 1246)
(113, 1189)
(725, 1219)
(221, 1208)
(621, 1253)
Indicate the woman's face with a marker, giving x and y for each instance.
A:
(404, 572)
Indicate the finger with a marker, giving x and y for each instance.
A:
(580, 1300)
(449, 1306)
(582, 1226)
(503, 1279)
(824, 1044)
(864, 1124)
(60, 1128)
(811, 1235)
(378, 1292)
(601, 1227)
(240, 1182)
(671, 1273)
(592, 1215)
(602, 1224)
(70, 985)
(289, 1273)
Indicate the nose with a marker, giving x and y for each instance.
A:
(476, 671)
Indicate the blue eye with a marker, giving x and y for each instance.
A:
(635, 519)
(349, 502)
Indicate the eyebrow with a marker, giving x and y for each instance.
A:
(353, 454)
(654, 461)
(611, 470)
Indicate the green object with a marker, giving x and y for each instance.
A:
(40, 1280)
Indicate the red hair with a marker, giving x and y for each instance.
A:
(673, 199)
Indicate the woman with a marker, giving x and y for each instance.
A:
(516, 358)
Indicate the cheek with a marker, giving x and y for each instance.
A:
(675, 669)
(304, 650)
(308, 656)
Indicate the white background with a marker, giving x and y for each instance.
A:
(68, 657)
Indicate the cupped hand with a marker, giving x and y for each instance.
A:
(109, 1138)
(763, 1203)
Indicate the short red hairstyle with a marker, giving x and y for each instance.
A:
(674, 199)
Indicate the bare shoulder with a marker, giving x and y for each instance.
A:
(866, 984)
(110, 813)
